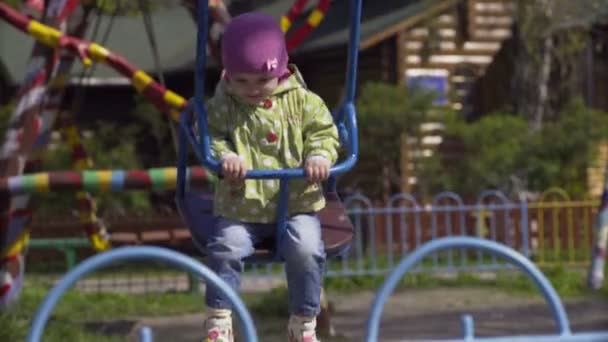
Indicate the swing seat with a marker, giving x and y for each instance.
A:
(196, 208)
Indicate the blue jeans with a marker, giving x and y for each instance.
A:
(301, 247)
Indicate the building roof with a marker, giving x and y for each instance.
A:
(175, 33)
(376, 18)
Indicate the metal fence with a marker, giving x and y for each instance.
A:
(551, 230)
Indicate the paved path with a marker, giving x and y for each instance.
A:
(421, 314)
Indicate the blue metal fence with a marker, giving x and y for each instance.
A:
(387, 232)
(554, 230)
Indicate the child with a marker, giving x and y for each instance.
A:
(262, 116)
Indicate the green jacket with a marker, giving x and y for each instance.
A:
(277, 134)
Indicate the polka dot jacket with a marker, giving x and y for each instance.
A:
(280, 132)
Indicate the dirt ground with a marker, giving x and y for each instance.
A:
(421, 315)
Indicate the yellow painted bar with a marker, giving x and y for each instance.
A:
(557, 246)
(565, 204)
(171, 177)
(44, 34)
(141, 80)
(98, 52)
(41, 182)
(105, 180)
(173, 100)
(576, 254)
(554, 191)
(586, 230)
(19, 245)
(99, 243)
(315, 18)
(285, 23)
(570, 232)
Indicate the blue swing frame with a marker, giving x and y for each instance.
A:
(344, 117)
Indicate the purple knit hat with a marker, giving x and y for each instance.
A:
(254, 43)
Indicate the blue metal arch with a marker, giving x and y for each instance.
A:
(404, 197)
(492, 193)
(549, 293)
(139, 253)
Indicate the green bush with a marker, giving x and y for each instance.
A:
(385, 113)
(494, 149)
(111, 146)
(500, 151)
(566, 148)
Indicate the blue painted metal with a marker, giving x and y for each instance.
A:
(139, 253)
(563, 327)
(492, 193)
(145, 334)
(345, 119)
(199, 87)
(446, 195)
(282, 210)
(468, 330)
(182, 154)
(346, 114)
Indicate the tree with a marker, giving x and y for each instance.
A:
(566, 148)
(550, 37)
(501, 151)
(493, 155)
(110, 146)
(384, 113)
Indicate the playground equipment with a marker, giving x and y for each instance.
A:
(595, 276)
(337, 230)
(139, 253)
(175, 259)
(38, 105)
(559, 313)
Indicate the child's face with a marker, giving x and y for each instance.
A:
(253, 88)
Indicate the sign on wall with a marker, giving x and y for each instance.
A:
(435, 80)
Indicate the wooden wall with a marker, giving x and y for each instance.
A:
(325, 71)
(461, 41)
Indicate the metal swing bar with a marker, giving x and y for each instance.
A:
(345, 118)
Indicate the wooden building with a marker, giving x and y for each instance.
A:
(444, 45)
(438, 43)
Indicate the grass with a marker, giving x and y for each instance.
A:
(72, 317)
(74, 310)
(568, 282)
(77, 316)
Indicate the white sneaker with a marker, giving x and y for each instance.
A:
(218, 326)
(302, 329)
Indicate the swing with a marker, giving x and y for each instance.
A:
(196, 207)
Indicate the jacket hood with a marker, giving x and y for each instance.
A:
(292, 82)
